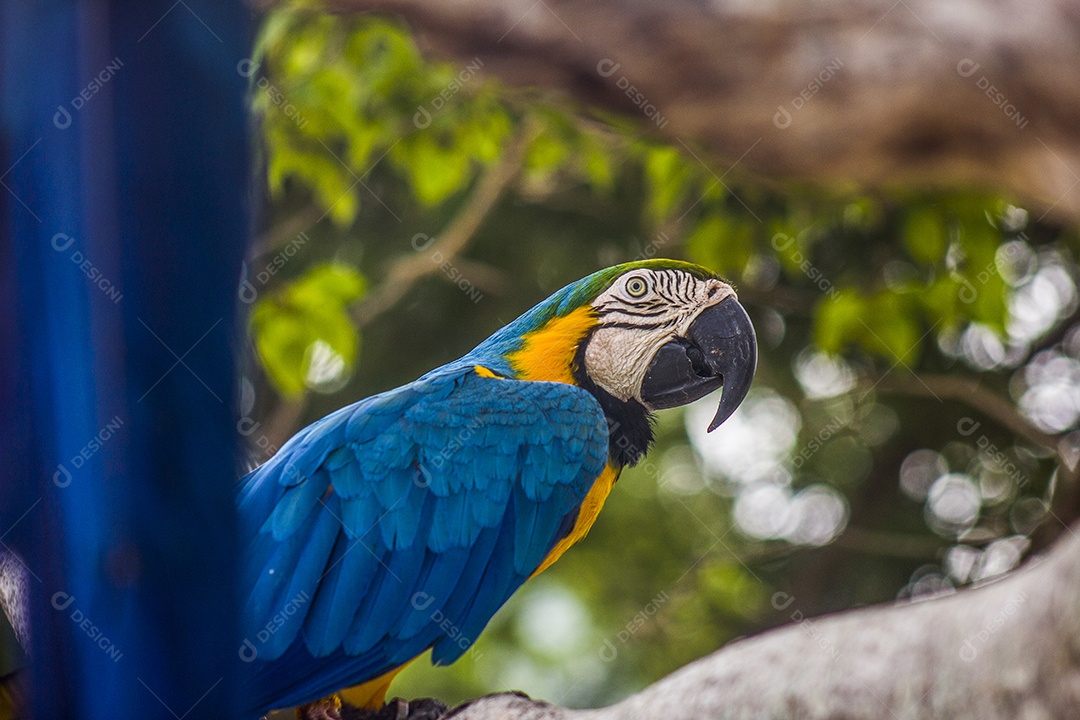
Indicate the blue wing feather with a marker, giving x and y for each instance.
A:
(440, 576)
(394, 592)
(461, 596)
(352, 568)
(358, 516)
(295, 506)
(470, 481)
(498, 582)
(348, 480)
(265, 599)
(309, 570)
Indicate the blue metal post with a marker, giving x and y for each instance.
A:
(123, 221)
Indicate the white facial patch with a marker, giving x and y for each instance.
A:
(638, 314)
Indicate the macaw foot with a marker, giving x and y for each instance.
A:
(398, 709)
(329, 708)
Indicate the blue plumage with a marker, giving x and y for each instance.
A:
(432, 502)
(403, 522)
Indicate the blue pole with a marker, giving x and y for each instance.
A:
(123, 220)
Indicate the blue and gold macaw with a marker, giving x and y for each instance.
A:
(401, 523)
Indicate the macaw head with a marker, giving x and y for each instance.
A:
(669, 333)
(654, 333)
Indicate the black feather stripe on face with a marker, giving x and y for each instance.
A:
(667, 289)
(630, 431)
(633, 326)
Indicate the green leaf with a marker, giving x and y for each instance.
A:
(483, 137)
(980, 242)
(546, 154)
(723, 242)
(732, 590)
(941, 300)
(885, 325)
(925, 236)
(891, 329)
(667, 176)
(838, 320)
(289, 324)
(991, 300)
(597, 164)
(435, 172)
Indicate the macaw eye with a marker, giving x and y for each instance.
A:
(636, 287)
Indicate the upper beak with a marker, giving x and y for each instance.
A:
(719, 350)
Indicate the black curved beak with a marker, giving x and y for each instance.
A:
(718, 351)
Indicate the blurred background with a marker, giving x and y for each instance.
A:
(918, 384)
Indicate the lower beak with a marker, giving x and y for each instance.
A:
(719, 350)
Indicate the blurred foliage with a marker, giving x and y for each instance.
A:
(822, 487)
(312, 309)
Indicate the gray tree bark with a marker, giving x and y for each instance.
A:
(868, 93)
(1007, 651)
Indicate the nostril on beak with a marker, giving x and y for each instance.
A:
(697, 361)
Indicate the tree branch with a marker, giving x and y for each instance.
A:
(972, 393)
(941, 92)
(410, 269)
(887, 544)
(283, 232)
(1007, 650)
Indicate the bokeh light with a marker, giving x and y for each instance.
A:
(952, 504)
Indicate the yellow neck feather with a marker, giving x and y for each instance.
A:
(548, 353)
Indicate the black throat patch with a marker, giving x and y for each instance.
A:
(630, 431)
